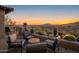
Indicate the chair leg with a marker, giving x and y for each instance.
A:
(21, 46)
(8, 50)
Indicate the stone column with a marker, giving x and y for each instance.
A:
(2, 28)
(3, 43)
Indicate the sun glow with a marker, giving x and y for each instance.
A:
(42, 21)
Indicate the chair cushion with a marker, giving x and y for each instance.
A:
(50, 42)
(13, 37)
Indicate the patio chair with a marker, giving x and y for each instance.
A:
(25, 35)
(53, 45)
(36, 48)
(13, 43)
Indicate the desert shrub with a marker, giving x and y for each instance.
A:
(69, 37)
(75, 34)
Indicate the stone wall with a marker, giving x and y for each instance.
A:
(69, 45)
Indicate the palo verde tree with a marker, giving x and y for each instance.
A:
(9, 22)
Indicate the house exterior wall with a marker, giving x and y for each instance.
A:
(2, 29)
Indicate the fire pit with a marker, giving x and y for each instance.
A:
(34, 40)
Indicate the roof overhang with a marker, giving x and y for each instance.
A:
(7, 9)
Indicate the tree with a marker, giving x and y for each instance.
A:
(9, 22)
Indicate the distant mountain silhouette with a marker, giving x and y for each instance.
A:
(52, 25)
(47, 25)
(72, 24)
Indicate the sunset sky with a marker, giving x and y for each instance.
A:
(45, 14)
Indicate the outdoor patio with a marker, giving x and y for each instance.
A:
(41, 46)
(30, 42)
